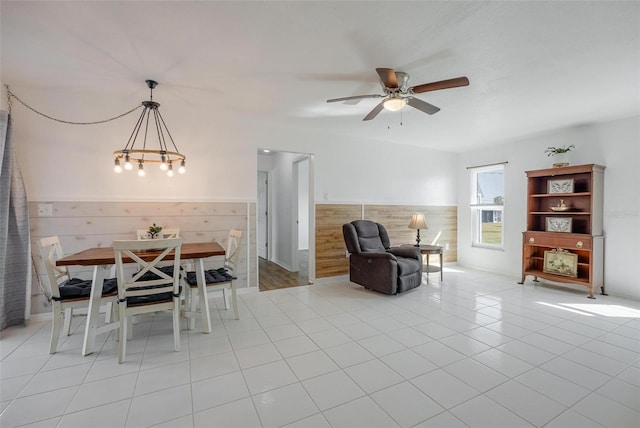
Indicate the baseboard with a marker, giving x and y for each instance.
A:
(330, 279)
(283, 265)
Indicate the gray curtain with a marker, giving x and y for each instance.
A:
(15, 260)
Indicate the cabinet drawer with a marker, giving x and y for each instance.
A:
(557, 240)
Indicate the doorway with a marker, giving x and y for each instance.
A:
(285, 220)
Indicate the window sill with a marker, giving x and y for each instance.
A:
(488, 246)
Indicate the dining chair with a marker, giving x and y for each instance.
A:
(69, 293)
(153, 288)
(217, 279)
(167, 232)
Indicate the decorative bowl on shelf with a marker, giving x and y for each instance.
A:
(560, 207)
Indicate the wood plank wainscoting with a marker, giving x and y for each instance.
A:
(331, 260)
(82, 225)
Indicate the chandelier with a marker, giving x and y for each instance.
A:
(141, 156)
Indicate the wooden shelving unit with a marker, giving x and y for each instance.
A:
(582, 222)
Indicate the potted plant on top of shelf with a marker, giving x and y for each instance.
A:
(559, 155)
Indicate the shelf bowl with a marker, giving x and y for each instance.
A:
(559, 209)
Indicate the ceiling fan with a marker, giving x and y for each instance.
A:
(397, 94)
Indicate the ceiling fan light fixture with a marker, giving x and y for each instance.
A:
(394, 103)
(398, 93)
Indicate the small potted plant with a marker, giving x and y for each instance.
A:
(559, 154)
(155, 232)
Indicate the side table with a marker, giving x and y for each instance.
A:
(428, 250)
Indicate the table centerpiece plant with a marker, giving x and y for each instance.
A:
(154, 232)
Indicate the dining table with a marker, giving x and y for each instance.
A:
(101, 258)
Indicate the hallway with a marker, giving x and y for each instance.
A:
(273, 277)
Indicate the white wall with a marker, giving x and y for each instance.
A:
(612, 144)
(63, 162)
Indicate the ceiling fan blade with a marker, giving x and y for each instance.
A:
(443, 84)
(355, 97)
(373, 113)
(388, 77)
(422, 106)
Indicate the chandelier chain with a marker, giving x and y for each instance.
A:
(12, 95)
(8, 99)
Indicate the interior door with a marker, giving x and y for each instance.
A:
(263, 212)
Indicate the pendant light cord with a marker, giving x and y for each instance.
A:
(12, 95)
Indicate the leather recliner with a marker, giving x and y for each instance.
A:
(377, 266)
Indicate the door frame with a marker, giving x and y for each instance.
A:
(311, 220)
(268, 219)
(295, 209)
(312, 217)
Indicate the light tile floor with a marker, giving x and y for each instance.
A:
(474, 350)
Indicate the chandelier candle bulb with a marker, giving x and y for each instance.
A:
(117, 168)
(127, 163)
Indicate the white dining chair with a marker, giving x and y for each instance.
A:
(68, 293)
(153, 288)
(216, 279)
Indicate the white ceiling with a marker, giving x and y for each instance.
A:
(533, 66)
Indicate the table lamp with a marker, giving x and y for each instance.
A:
(418, 222)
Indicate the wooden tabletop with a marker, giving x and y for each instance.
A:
(424, 248)
(433, 249)
(105, 255)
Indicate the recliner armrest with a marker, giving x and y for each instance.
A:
(387, 255)
(406, 252)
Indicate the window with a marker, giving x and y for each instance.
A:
(487, 205)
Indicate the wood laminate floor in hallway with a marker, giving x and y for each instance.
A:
(273, 277)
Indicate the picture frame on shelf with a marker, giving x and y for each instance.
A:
(562, 185)
(561, 262)
(558, 224)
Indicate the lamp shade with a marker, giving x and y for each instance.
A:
(418, 221)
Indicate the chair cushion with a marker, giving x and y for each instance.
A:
(153, 298)
(76, 288)
(211, 276)
(110, 286)
(150, 276)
